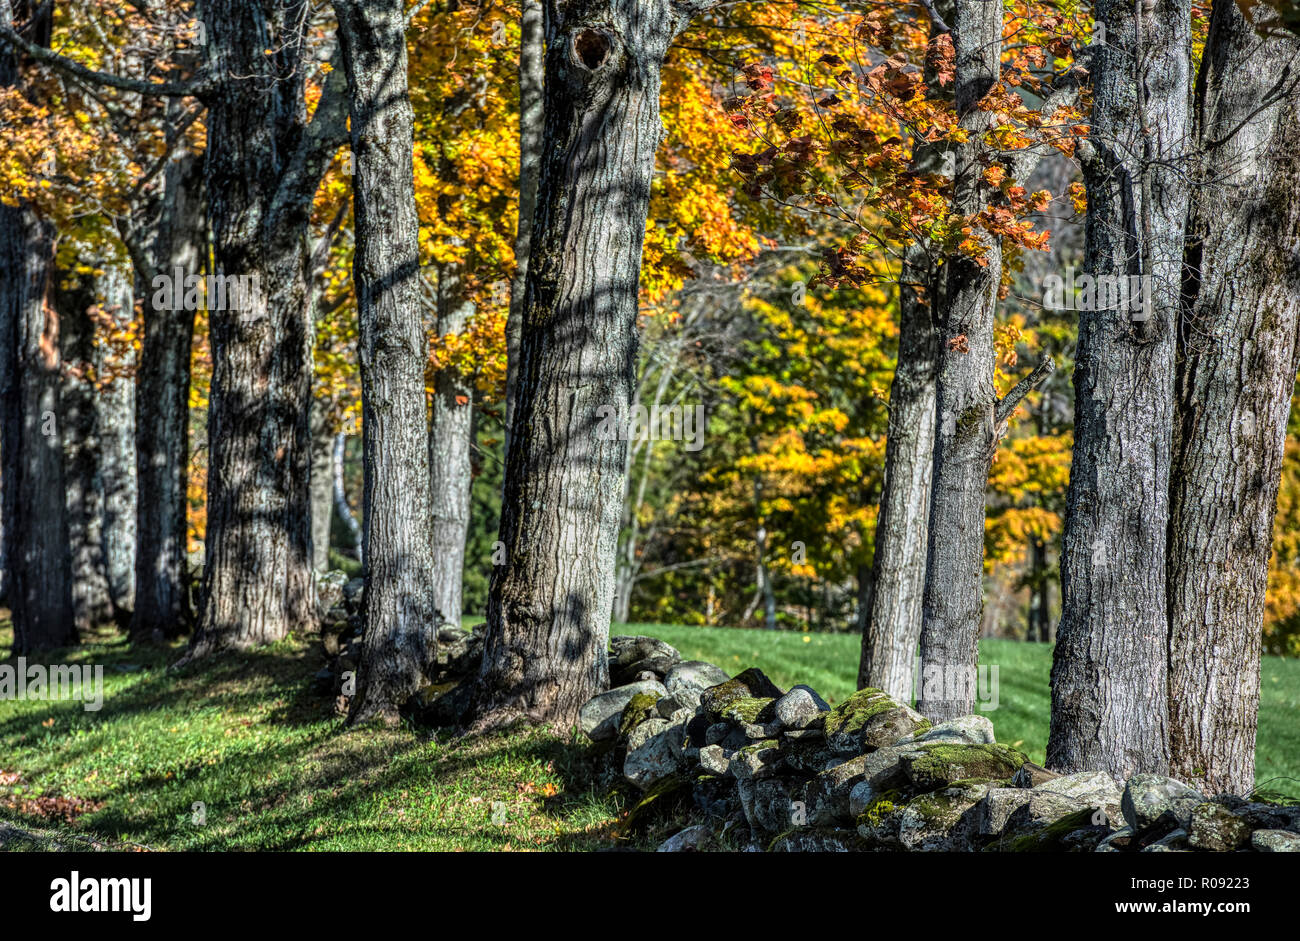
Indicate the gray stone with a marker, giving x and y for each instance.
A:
(694, 676)
(1088, 787)
(940, 821)
(757, 732)
(690, 840)
(329, 590)
(652, 760)
(1149, 796)
(630, 656)
(799, 707)
(996, 808)
(714, 760)
(967, 730)
(600, 715)
(1275, 841)
(818, 840)
(644, 732)
(758, 760)
(1213, 827)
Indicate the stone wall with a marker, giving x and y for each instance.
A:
(765, 769)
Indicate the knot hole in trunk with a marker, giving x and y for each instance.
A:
(591, 47)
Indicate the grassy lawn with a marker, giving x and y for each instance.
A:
(274, 770)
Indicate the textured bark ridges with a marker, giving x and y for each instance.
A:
(31, 478)
(398, 618)
(162, 606)
(451, 430)
(550, 603)
(965, 397)
(1108, 677)
(1234, 387)
(263, 163)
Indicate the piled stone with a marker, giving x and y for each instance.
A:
(771, 770)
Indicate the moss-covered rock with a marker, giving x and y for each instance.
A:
(639, 708)
(751, 684)
(1214, 827)
(940, 820)
(933, 766)
(749, 710)
(870, 719)
(1074, 831)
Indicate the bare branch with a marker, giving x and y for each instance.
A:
(194, 88)
(1011, 401)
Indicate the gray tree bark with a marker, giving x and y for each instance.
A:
(531, 78)
(31, 451)
(550, 603)
(1234, 387)
(92, 601)
(891, 626)
(341, 505)
(115, 420)
(263, 165)
(1108, 677)
(162, 605)
(451, 431)
(893, 621)
(398, 614)
(965, 398)
(322, 485)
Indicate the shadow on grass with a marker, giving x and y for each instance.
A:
(238, 751)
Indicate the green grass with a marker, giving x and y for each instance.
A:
(248, 737)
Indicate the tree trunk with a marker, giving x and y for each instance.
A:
(1234, 390)
(341, 505)
(451, 432)
(162, 608)
(115, 420)
(263, 165)
(322, 485)
(893, 621)
(531, 77)
(550, 603)
(398, 615)
(92, 601)
(31, 451)
(965, 398)
(1108, 677)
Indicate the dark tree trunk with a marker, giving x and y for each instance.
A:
(31, 451)
(322, 485)
(263, 165)
(398, 617)
(450, 435)
(1234, 388)
(531, 77)
(92, 601)
(965, 395)
(162, 608)
(1108, 678)
(550, 603)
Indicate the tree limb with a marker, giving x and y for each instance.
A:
(1011, 401)
(196, 87)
